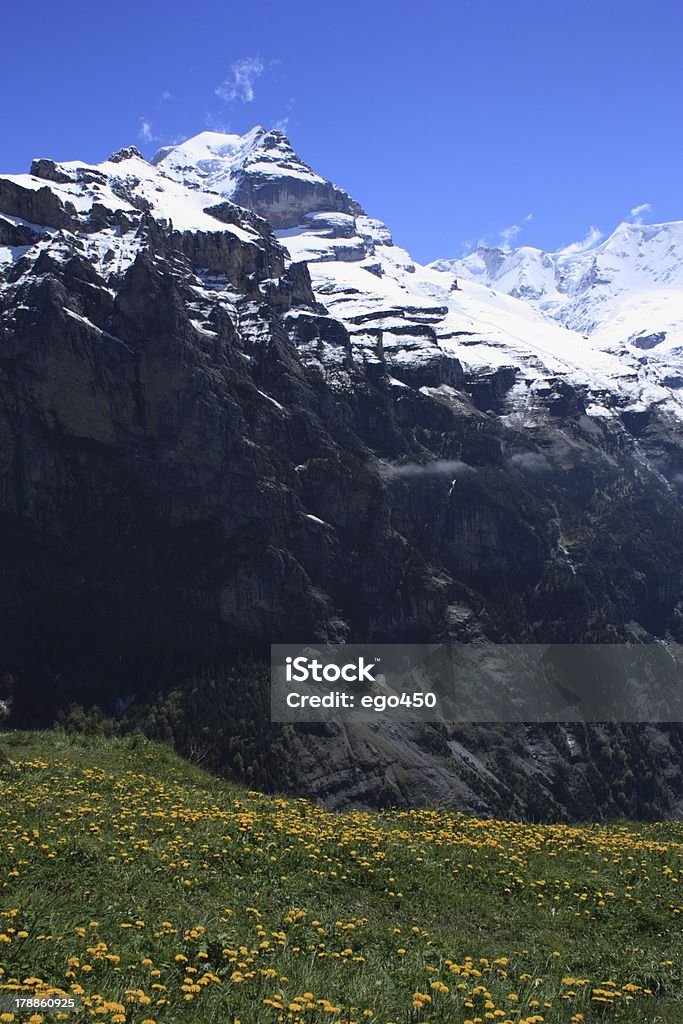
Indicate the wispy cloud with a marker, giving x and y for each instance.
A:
(145, 131)
(283, 123)
(240, 86)
(502, 240)
(508, 235)
(437, 467)
(592, 238)
(166, 95)
(638, 211)
(532, 461)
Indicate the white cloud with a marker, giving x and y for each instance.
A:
(166, 95)
(282, 125)
(503, 241)
(145, 133)
(592, 238)
(638, 211)
(241, 85)
(438, 467)
(507, 235)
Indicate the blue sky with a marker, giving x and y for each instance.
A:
(529, 122)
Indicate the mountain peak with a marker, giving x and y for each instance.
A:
(260, 170)
(210, 157)
(126, 153)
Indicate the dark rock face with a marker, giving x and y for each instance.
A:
(125, 154)
(293, 288)
(189, 468)
(49, 170)
(223, 253)
(290, 191)
(286, 202)
(39, 206)
(647, 341)
(16, 234)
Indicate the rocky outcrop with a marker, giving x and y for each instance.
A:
(230, 213)
(36, 205)
(16, 234)
(285, 202)
(292, 289)
(290, 191)
(244, 264)
(125, 154)
(51, 171)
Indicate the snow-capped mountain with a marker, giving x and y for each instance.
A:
(259, 170)
(625, 293)
(110, 205)
(608, 320)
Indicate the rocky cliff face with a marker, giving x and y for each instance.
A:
(204, 450)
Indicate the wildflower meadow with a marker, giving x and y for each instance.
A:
(155, 893)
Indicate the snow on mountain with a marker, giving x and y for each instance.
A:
(106, 204)
(259, 170)
(625, 293)
(607, 319)
(218, 161)
(110, 225)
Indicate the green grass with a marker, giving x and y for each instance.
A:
(156, 892)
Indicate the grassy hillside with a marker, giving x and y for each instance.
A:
(158, 893)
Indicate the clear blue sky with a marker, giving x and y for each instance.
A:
(451, 121)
